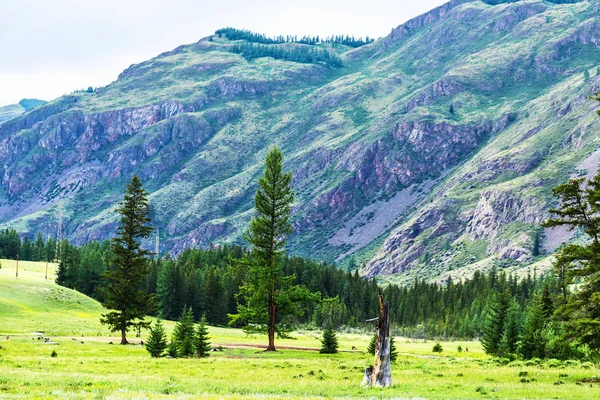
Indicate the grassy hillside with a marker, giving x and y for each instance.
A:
(10, 112)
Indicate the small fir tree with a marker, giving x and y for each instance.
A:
(157, 341)
(201, 343)
(437, 348)
(184, 334)
(172, 348)
(329, 344)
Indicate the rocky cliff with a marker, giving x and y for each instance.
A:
(431, 150)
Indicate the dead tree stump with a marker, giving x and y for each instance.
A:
(380, 373)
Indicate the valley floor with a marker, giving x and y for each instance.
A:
(87, 366)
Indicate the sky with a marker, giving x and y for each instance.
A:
(52, 47)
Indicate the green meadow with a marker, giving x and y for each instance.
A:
(86, 365)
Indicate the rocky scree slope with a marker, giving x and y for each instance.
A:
(431, 151)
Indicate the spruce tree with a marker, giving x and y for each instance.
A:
(495, 324)
(329, 344)
(201, 343)
(267, 294)
(214, 304)
(157, 340)
(533, 343)
(184, 333)
(510, 336)
(129, 266)
(172, 347)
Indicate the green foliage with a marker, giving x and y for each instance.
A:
(300, 54)
(184, 334)
(267, 296)
(54, 354)
(579, 209)
(496, 323)
(129, 265)
(329, 343)
(201, 343)
(437, 348)
(241, 34)
(157, 340)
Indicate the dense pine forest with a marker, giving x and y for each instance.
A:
(208, 280)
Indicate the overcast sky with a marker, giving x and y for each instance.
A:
(52, 47)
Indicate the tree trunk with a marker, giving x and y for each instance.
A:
(380, 374)
(123, 330)
(271, 331)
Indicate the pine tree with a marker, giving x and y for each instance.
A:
(586, 75)
(510, 337)
(201, 343)
(172, 347)
(533, 343)
(266, 292)
(451, 110)
(215, 306)
(39, 248)
(129, 265)
(184, 334)
(329, 344)
(157, 340)
(495, 324)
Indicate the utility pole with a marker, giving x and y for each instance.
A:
(59, 232)
(17, 273)
(157, 245)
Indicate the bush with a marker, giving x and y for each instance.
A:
(437, 348)
(553, 363)
(534, 362)
(459, 348)
(54, 354)
(587, 365)
(572, 363)
(516, 364)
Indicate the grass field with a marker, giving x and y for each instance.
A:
(91, 367)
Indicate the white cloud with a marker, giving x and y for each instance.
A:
(50, 47)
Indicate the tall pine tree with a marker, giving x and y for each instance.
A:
(266, 293)
(123, 290)
(495, 325)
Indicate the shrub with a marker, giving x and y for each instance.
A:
(587, 365)
(553, 363)
(572, 363)
(523, 373)
(516, 364)
(54, 354)
(437, 348)
(459, 348)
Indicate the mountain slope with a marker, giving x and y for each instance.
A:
(14, 110)
(431, 149)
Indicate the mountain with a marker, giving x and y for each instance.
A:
(429, 152)
(14, 110)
